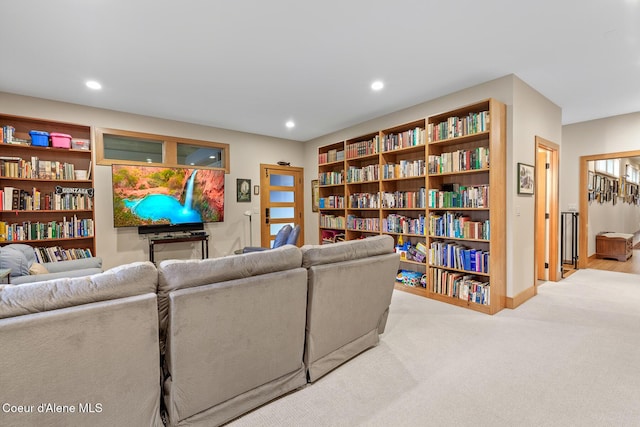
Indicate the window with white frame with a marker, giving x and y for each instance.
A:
(632, 174)
(610, 167)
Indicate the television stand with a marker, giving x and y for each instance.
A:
(202, 238)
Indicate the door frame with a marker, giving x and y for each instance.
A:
(264, 199)
(583, 215)
(554, 211)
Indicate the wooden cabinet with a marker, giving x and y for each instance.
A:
(51, 197)
(618, 246)
(439, 183)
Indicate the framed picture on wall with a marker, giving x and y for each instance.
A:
(243, 190)
(526, 174)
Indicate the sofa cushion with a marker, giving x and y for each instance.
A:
(14, 259)
(344, 251)
(182, 274)
(127, 280)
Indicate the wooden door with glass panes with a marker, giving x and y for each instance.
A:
(281, 201)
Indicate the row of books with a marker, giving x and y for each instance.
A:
(460, 197)
(457, 225)
(16, 167)
(17, 199)
(454, 255)
(363, 148)
(363, 224)
(332, 221)
(330, 178)
(404, 169)
(8, 136)
(395, 223)
(405, 199)
(56, 254)
(459, 285)
(458, 126)
(334, 155)
(364, 201)
(363, 174)
(331, 202)
(408, 138)
(65, 229)
(460, 160)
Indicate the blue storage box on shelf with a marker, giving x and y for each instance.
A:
(39, 138)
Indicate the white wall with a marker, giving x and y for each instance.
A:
(528, 114)
(119, 246)
(533, 115)
(617, 134)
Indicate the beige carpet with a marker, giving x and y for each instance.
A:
(568, 357)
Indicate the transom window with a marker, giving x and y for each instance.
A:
(118, 146)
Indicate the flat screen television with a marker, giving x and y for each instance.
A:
(165, 199)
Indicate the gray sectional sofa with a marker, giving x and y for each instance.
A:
(193, 342)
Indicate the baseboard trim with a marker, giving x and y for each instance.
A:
(521, 298)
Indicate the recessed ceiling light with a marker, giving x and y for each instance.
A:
(212, 157)
(290, 124)
(92, 84)
(377, 85)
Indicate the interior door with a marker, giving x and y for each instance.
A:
(542, 216)
(281, 201)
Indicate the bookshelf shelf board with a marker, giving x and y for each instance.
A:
(331, 209)
(50, 181)
(55, 239)
(404, 178)
(404, 209)
(362, 182)
(364, 209)
(453, 208)
(331, 185)
(46, 211)
(412, 290)
(460, 238)
(372, 156)
(404, 150)
(391, 233)
(460, 302)
(332, 228)
(465, 172)
(476, 273)
(337, 162)
(407, 261)
(479, 136)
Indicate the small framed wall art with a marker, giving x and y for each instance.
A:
(526, 176)
(243, 190)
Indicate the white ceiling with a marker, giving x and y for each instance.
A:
(251, 65)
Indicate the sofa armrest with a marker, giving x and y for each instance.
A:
(74, 264)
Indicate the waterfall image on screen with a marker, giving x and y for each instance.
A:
(149, 195)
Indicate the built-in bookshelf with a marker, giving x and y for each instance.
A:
(437, 186)
(47, 192)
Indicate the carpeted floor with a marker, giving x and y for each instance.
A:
(568, 357)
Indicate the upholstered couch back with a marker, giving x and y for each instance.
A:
(88, 345)
(234, 331)
(349, 293)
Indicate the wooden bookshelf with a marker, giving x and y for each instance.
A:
(52, 206)
(394, 182)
